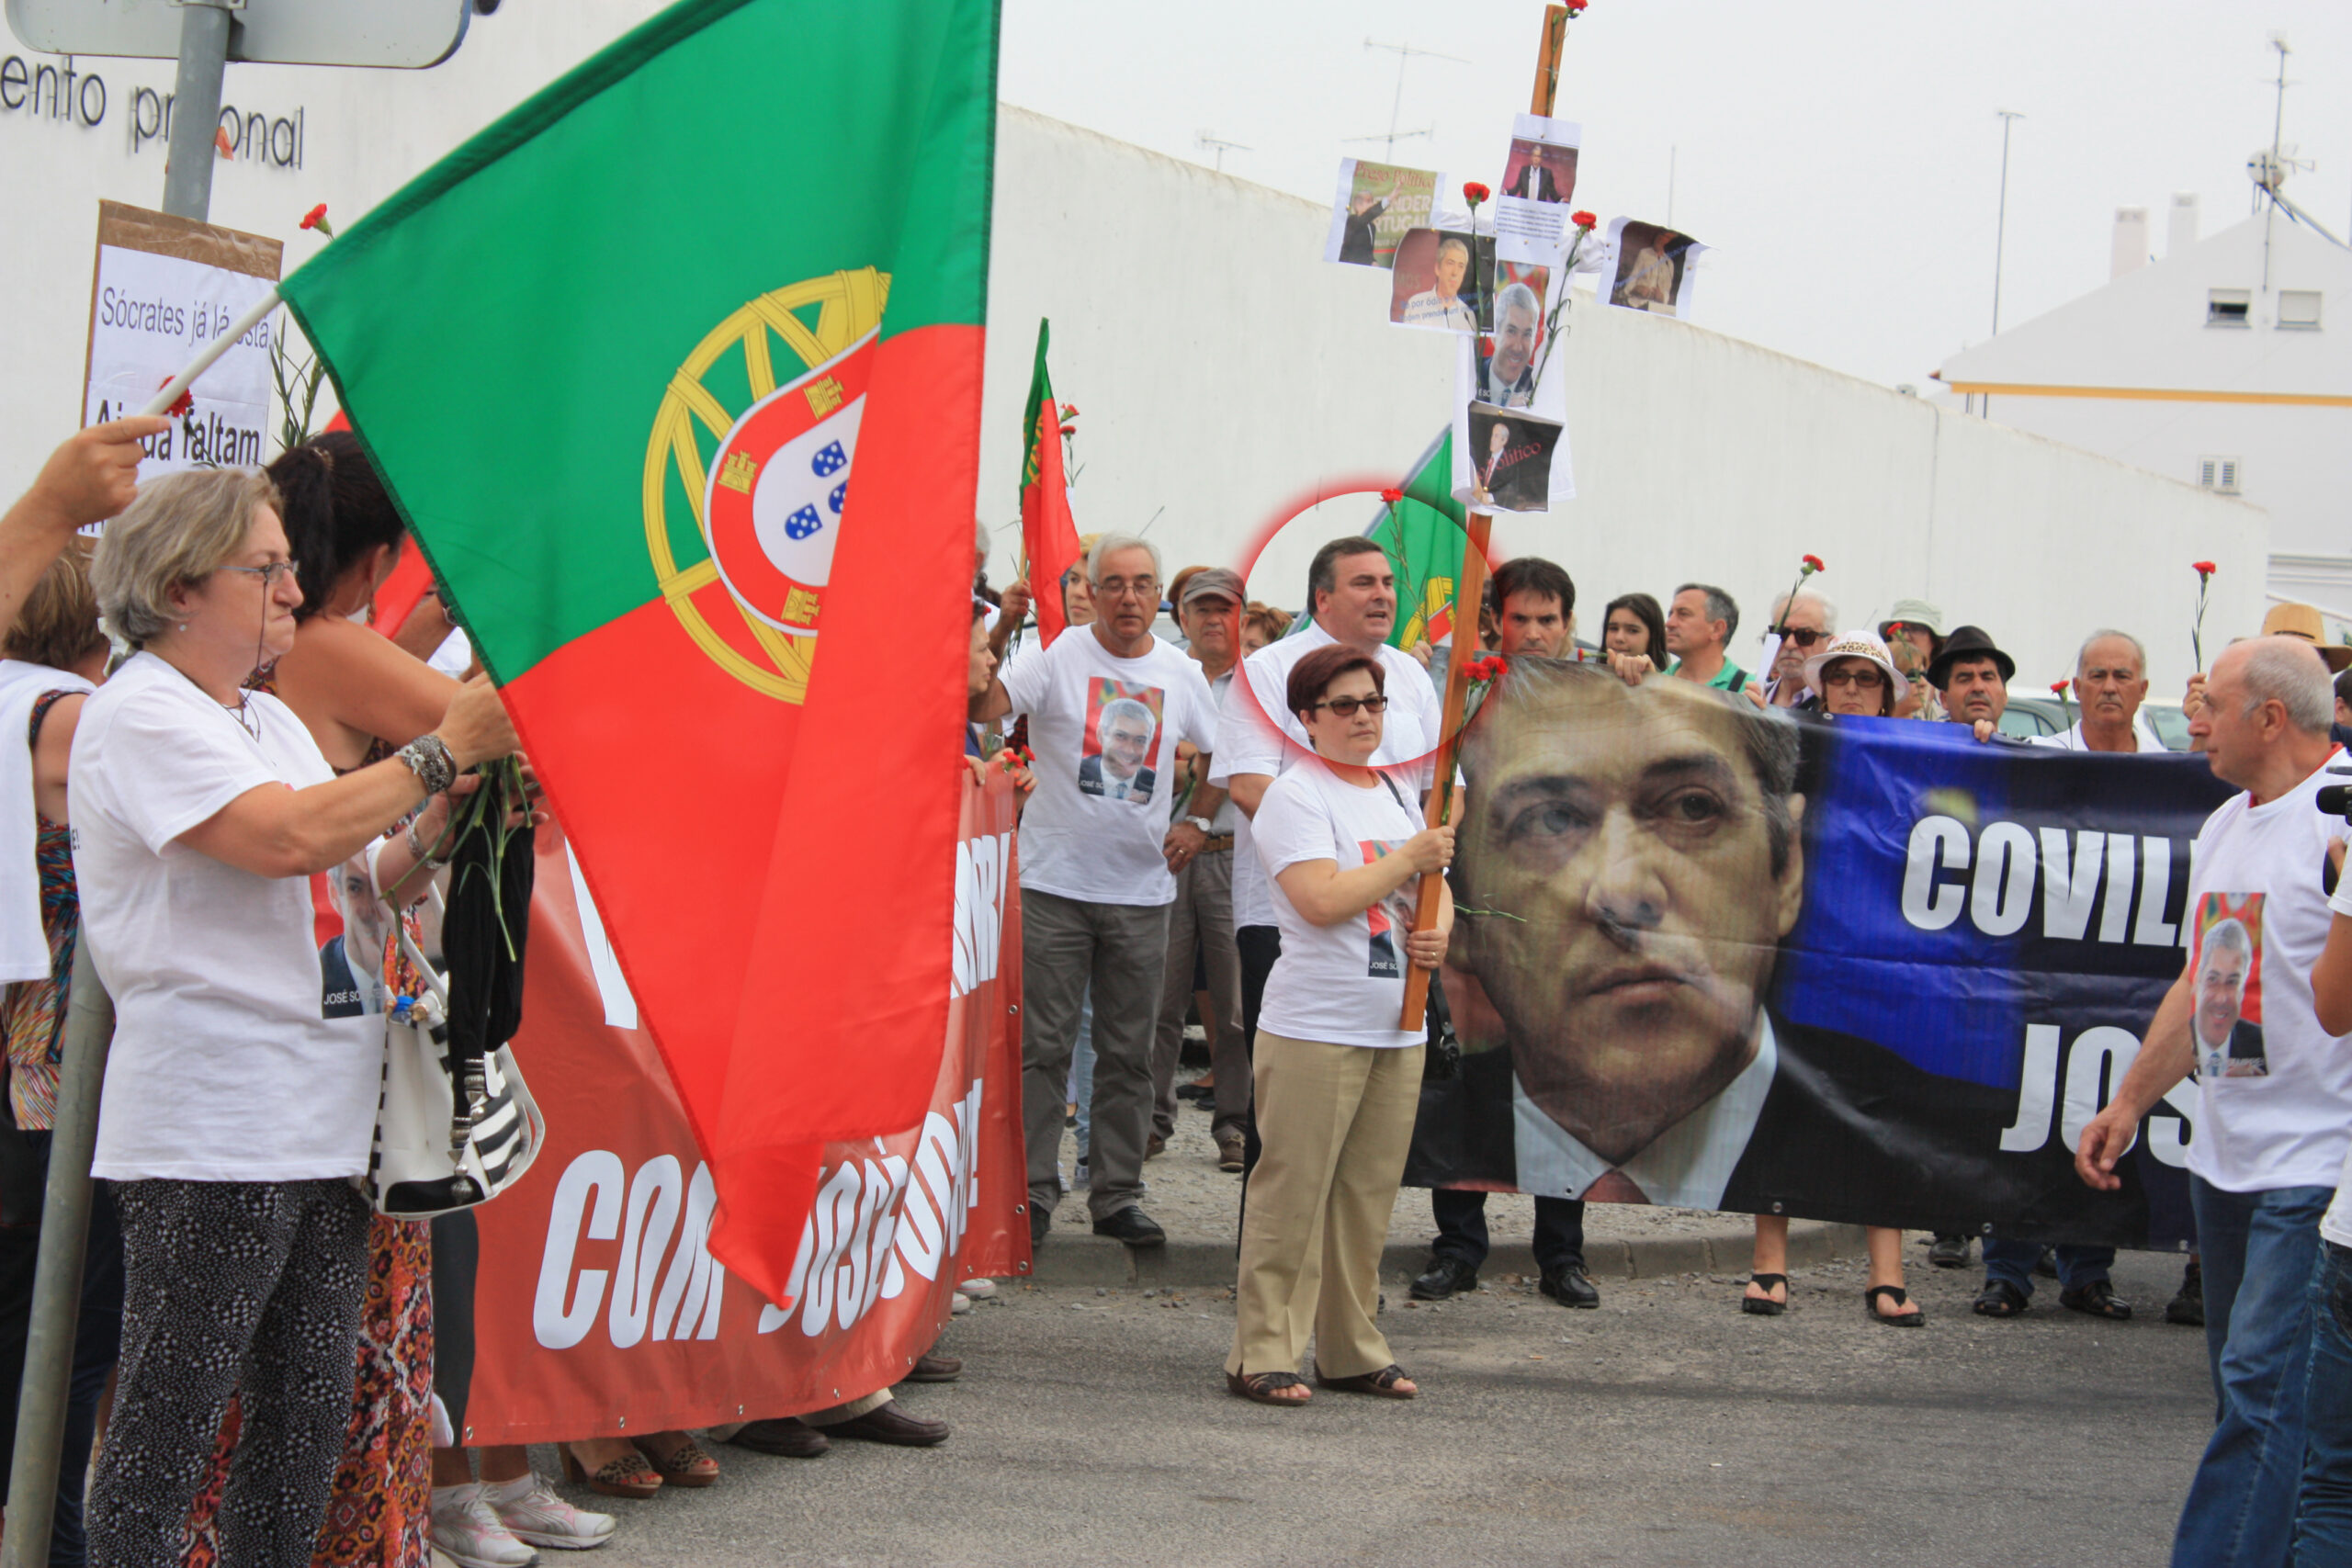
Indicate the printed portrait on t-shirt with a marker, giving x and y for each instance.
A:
(2226, 1021)
(1386, 917)
(1122, 723)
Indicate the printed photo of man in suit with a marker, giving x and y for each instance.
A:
(2227, 1045)
(1123, 730)
(1630, 859)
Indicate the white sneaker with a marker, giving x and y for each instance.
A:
(978, 1289)
(470, 1534)
(531, 1511)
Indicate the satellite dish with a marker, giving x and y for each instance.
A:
(2267, 170)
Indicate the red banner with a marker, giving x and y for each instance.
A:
(599, 1309)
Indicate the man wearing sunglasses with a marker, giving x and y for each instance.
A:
(1804, 624)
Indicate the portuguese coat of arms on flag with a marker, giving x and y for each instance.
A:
(676, 373)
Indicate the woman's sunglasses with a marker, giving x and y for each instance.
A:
(1346, 707)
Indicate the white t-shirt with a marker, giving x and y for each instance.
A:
(2144, 736)
(1344, 984)
(1105, 731)
(224, 1068)
(1250, 743)
(2276, 1093)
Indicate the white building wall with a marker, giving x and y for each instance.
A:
(1222, 367)
(2150, 330)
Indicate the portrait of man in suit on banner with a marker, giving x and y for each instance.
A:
(1629, 860)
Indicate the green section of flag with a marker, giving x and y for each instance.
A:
(1423, 536)
(504, 330)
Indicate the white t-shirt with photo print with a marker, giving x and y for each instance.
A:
(2280, 1113)
(1104, 730)
(1344, 984)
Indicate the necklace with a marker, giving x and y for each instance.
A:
(242, 716)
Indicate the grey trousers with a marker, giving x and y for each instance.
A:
(1122, 949)
(1202, 914)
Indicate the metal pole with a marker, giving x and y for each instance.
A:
(2001, 226)
(196, 108)
(57, 1279)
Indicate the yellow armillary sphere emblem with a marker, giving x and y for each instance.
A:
(747, 469)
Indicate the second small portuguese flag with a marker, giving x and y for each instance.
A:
(675, 372)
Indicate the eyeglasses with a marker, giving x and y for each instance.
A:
(1119, 588)
(272, 574)
(1345, 707)
(1864, 680)
(1804, 636)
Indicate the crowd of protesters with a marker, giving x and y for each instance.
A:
(1222, 815)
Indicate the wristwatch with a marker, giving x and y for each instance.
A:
(1203, 823)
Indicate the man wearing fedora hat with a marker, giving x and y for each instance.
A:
(2305, 624)
(1973, 677)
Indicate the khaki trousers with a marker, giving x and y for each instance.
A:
(1336, 1121)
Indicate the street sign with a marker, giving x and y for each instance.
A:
(408, 34)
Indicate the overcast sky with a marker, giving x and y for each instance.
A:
(1843, 156)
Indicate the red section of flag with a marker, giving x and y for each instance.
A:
(1048, 536)
(838, 1029)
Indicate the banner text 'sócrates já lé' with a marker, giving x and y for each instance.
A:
(675, 371)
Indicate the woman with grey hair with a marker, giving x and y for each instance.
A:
(235, 1112)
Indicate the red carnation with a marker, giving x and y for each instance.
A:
(1069, 411)
(1392, 495)
(1812, 563)
(317, 218)
(186, 401)
(2059, 687)
(2203, 567)
(1577, 5)
(1584, 219)
(1474, 193)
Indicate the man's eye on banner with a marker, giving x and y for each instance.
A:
(1122, 722)
(2228, 1018)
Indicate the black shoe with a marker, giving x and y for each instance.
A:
(2097, 1299)
(1040, 1219)
(1569, 1285)
(784, 1437)
(1949, 1251)
(1998, 1299)
(2047, 1264)
(1446, 1277)
(2188, 1308)
(1132, 1225)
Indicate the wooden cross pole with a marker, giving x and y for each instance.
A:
(1469, 594)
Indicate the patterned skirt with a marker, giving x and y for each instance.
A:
(381, 1515)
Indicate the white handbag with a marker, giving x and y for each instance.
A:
(441, 1144)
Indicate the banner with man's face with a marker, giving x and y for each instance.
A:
(1864, 970)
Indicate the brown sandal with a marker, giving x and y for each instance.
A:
(1382, 1383)
(627, 1476)
(1259, 1387)
(688, 1464)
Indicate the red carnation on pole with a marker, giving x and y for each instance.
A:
(2204, 571)
(1473, 193)
(1585, 221)
(1576, 7)
(317, 218)
(185, 404)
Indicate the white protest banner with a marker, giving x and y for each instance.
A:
(164, 287)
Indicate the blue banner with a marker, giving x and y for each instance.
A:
(1858, 969)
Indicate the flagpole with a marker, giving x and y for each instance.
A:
(220, 344)
(1469, 596)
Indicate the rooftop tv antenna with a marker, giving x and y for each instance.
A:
(1221, 147)
(1405, 53)
(2269, 167)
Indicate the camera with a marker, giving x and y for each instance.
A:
(2335, 800)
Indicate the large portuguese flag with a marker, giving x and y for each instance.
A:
(618, 358)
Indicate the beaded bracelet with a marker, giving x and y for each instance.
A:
(430, 761)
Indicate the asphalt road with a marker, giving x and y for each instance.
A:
(1092, 1426)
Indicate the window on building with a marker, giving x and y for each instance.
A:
(2299, 309)
(2218, 474)
(2227, 306)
